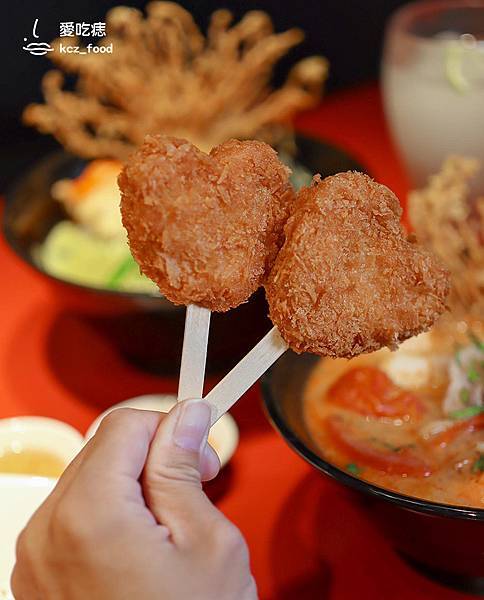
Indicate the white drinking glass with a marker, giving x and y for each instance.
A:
(433, 83)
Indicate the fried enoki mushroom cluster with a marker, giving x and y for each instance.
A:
(451, 224)
(165, 76)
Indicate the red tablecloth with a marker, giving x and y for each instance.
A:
(307, 539)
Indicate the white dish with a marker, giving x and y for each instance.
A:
(224, 435)
(40, 433)
(20, 496)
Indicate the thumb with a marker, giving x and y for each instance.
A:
(172, 474)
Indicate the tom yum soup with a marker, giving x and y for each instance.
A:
(411, 421)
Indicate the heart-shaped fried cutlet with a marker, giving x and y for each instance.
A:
(347, 280)
(205, 228)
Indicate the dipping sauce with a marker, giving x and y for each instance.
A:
(31, 461)
(411, 421)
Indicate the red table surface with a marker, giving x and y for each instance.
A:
(307, 539)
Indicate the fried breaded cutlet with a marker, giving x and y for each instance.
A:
(205, 228)
(348, 280)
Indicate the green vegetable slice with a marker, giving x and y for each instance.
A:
(478, 466)
(467, 412)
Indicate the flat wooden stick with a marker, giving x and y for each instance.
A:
(226, 393)
(194, 353)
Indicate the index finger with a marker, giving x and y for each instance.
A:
(121, 444)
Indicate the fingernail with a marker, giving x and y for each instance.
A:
(192, 426)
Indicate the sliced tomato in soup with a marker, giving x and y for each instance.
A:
(367, 452)
(370, 392)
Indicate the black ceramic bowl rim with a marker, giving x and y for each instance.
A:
(27, 257)
(408, 502)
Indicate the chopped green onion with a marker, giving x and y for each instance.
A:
(467, 413)
(478, 466)
(464, 396)
(476, 341)
(473, 375)
(121, 271)
(354, 469)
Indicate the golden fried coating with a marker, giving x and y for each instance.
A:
(449, 221)
(205, 228)
(347, 280)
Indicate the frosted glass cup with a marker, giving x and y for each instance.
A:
(433, 83)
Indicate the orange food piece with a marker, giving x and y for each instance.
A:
(402, 462)
(93, 175)
(370, 392)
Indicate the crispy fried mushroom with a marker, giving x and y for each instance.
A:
(164, 76)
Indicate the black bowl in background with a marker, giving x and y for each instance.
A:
(146, 328)
(445, 542)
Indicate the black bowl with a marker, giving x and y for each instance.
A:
(445, 542)
(146, 328)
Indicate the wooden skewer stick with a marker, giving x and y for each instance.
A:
(226, 393)
(194, 353)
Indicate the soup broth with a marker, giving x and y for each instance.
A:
(401, 421)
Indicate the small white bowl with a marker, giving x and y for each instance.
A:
(224, 435)
(40, 433)
(20, 496)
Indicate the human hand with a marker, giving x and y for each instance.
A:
(129, 519)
